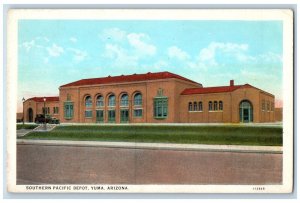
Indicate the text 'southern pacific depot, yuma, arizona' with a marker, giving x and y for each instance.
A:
(160, 97)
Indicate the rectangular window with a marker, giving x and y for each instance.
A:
(215, 106)
(68, 110)
(161, 107)
(88, 114)
(263, 105)
(138, 112)
(99, 115)
(210, 106)
(200, 106)
(268, 106)
(111, 115)
(46, 110)
(55, 110)
(220, 105)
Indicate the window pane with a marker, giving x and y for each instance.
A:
(88, 114)
(200, 106)
(112, 100)
(88, 101)
(138, 113)
(99, 101)
(124, 100)
(137, 101)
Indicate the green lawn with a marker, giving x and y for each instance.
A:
(227, 135)
(26, 126)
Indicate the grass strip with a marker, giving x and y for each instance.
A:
(223, 135)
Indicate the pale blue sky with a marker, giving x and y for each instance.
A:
(55, 52)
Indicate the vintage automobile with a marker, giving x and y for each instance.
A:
(40, 118)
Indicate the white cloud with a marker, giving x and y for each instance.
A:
(28, 45)
(79, 55)
(270, 57)
(73, 39)
(208, 54)
(114, 34)
(119, 56)
(126, 49)
(175, 52)
(137, 40)
(55, 50)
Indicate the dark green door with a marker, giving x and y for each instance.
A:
(124, 113)
(99, 116)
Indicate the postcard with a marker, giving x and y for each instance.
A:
(150, 100)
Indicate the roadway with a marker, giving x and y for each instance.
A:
(46, 164)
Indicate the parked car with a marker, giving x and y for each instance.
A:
(40, 118)
(54, 120)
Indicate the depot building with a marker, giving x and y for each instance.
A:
(161, 97)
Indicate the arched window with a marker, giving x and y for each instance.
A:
(88, 101)
(195, 106)
(220, 105)
(88, 104)
(190, 106)
(215, 105)
(124, 100)
(137, 99)
(112, 100)
(137, 105)
(100, 101)
(210, 106)
(200, 106)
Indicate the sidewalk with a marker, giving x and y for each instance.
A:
(153, 146)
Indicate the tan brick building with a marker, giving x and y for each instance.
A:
(161, 97)
(35, 105)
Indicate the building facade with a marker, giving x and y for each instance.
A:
(161, 97)
(36, 105)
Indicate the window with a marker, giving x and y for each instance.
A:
(200, 106)
(88, 113)
(190, 106)
(210, 106)
(263, 105)
(124, 100)
(215, 105)
(220, 105)
(99, 115)
(272, 106)
(112, 100)
(160, 107)
(111, 115)
(137, 100)
(138, 112)
(88, 101)
(55, 110)
(268, 106)
(68, 110)
(100, 101)
(195, 106)
(46, 110)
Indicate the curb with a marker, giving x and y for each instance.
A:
(156, 146)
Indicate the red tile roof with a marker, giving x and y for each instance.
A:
(220, 89)
(127, 78)
(41, 99)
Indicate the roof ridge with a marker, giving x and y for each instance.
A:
(127, 78)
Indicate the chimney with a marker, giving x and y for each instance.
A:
(231, 83)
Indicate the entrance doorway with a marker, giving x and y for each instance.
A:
(246, 112)
(30, 115)
(124, 113)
